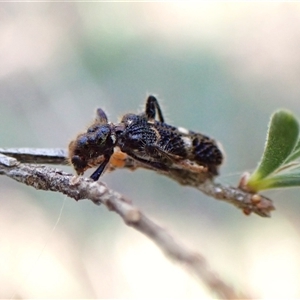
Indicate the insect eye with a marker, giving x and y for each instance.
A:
(94, 128)
(129, 118)
(82, 142)
(102, 133)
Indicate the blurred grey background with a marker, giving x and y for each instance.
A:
(217, 68)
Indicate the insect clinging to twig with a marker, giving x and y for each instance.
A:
(146, 139)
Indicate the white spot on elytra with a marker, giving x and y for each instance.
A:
(187, 141)
(183, 130)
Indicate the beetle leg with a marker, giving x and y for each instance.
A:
(151, 163)
(152, 107)
(95, 176)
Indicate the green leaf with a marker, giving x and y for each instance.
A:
(282, 137)
(287, 167)
(295, 154)
(288, 179)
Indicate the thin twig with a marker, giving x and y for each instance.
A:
(46, 178)
(53, 156)
(246, 201)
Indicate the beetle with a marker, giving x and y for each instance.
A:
(147, 139)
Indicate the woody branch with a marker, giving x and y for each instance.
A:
(46, 178)
(246, 201)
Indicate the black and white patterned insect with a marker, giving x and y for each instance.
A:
(147, 139)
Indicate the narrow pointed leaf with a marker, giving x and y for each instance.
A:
(287, 167)
(282, 137)
(295, 154)
(280, 181)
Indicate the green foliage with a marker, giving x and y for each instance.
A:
(279, 166)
